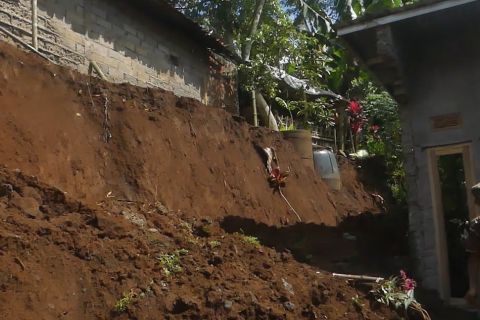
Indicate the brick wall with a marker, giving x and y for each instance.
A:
(127, 44)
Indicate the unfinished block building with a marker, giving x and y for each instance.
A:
(146, 43)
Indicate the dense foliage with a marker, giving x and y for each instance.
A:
(286, 37)
(381, 134)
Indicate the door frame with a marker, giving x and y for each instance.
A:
(438, 215)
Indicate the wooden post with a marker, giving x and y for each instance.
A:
(254, 105)
(352, 139)
(342, 119)
(335, 139)
(34, 25)
(269, 115)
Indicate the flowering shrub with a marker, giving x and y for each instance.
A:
(357, 118)
(396, 291)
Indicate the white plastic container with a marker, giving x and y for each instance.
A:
(327, 167)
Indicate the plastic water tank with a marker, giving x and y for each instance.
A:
(327, 167)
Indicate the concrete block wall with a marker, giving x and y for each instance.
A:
(444, 77)
(126, 43)
(421, 227)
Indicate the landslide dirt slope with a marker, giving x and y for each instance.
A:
(61, 259)
(201, 160)
(97, 247)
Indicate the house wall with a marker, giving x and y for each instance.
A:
(128, 45)
(443, 77)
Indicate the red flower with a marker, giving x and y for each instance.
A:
(357, 120)
(354, 107)
(408, 284)
(356, 126)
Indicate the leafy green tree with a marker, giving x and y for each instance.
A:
(267, 34)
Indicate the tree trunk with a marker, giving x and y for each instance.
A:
(259, 103)
(265, 112)
(351, 13)
(247, 48)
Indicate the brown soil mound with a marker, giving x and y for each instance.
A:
(357, 196)
(63, 260)
(122, 151)
(55, 122)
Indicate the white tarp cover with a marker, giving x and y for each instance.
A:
(299, 84)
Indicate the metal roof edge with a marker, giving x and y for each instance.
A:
(401, 15)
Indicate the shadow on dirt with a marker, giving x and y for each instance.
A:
(363, 244)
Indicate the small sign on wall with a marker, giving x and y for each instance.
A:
(447, 121)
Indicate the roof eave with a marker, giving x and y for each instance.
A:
(399, 16)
